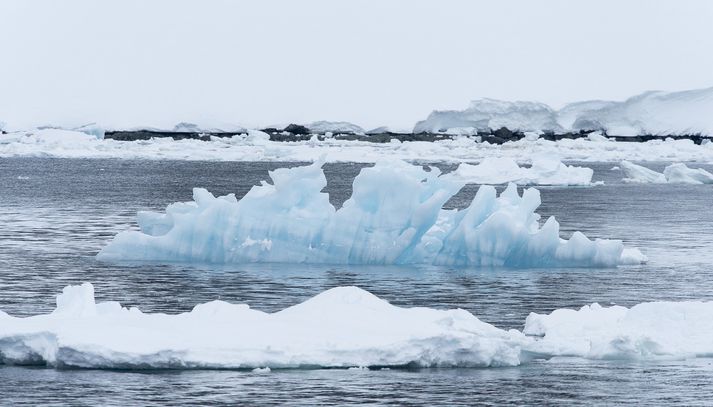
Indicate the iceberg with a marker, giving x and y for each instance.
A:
(644, 331)
(394, 216)
(342, 327)
(677, 173)
(545, 170)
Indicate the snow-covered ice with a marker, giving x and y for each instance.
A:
(658, 113)
(648, 330)
(334, 127)
(677, 173)
(640, 174)
(342, 327)
(243, 147)
(545, 170)
(394, 216)
(484, 114)
(655, 112)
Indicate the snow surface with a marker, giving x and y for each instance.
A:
(484, 114)
(394, 216)
(677, 173)
(255, 146)
(342, 327)
(658, 113)
(545, 170)
(648, 330)
(334, 127)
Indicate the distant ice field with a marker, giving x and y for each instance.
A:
(256, 146)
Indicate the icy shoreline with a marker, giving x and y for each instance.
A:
(256, 146)
(342, 327)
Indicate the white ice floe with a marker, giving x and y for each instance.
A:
(640, 174)
(343, 327)
(545, 170)
(243, 147)
(394, 216)
(677, 173)
(648, 330)
(658, 113)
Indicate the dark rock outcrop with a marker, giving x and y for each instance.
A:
(297, 129)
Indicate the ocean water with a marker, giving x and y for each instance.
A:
(55, 214)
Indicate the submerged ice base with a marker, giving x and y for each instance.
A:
(341, 327)
(394, 216)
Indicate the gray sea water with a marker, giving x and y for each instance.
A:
(55, 214)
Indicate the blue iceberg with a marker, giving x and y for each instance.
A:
(394, 216)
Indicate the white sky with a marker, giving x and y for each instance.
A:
(141, 62)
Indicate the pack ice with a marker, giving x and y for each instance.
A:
(341, 327)
(394, 216)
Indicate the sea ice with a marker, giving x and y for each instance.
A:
(344, 327)
(253, 145)
(648, 330)
(677, 173)
(341, 327)
(394, 216)
(640, 174)
(545, 170)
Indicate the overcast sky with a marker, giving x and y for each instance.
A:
(129, 63)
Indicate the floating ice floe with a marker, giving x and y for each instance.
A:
(545, 170)
(394, 216)
(677, 173)
(645, 331)
(342, 327)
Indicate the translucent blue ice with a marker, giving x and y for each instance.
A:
(394, 216)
